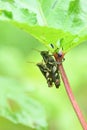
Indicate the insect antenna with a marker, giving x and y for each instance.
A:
(36, 49)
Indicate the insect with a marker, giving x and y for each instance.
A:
(52, 66)
(46, 73)
(49, 69)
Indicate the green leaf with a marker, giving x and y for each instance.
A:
(58, 22)
(17, 107)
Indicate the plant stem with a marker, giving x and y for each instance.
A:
(71, 96)
(72, 99)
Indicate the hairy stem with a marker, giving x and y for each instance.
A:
(71, 96)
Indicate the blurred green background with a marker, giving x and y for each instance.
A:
(16, 50)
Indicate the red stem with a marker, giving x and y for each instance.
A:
(71, 96)
(72, 99)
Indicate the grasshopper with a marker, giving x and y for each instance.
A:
(52, 67)
(49, 69)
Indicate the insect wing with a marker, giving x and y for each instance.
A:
(46, 73)
(42, 68)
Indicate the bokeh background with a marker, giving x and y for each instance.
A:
(18, 59)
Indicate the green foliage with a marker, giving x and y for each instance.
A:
(62, 23)
(15, 50)
(58, 22)
(16, 106)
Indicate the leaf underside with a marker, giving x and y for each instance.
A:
(56, 22)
